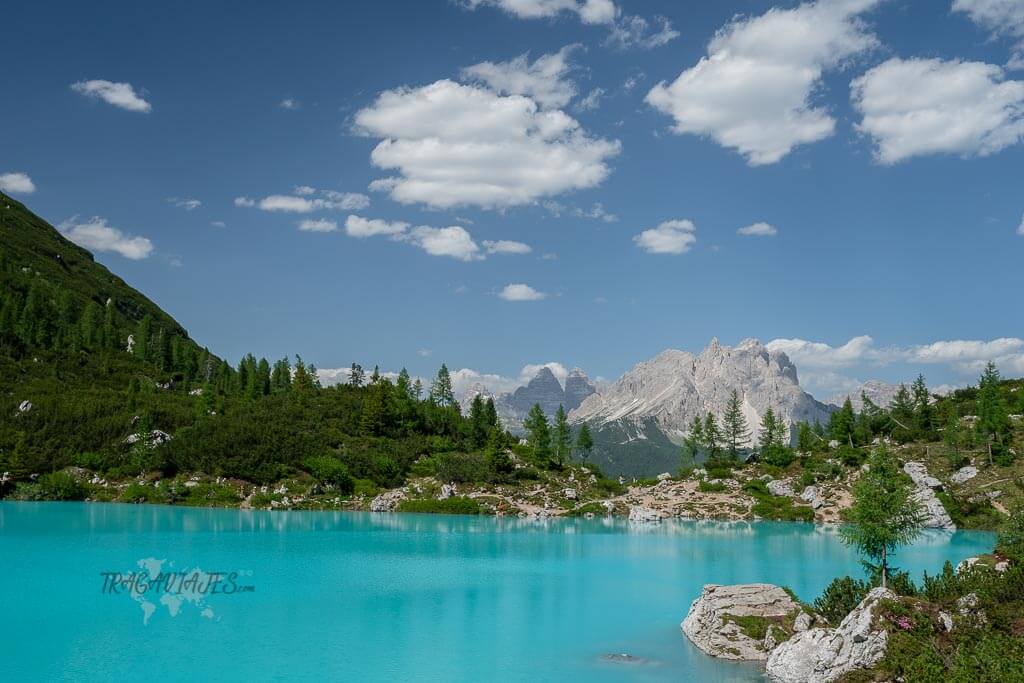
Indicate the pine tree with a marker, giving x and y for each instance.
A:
(712, 437)
(735, 425)
(375, 377)
(417, 389)
(924, 413)
(842, 423)
(404, 384)
(693, 443)
(536, 424)
(143, 337)
(805, 438)
(441, 390)
(884, 515)
(490, 414)
(373, 420)
(478, 427)
(993, 423)
(901, 411)
(355, 375)
(584, 441)
(562, 436)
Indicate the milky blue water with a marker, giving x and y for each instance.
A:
(380, 597)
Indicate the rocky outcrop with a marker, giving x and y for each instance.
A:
(388, 501)
(918, 473)
(819, 655)
(639, 513)
(781, 487)
(742, 622)
(675, 386)
(934, 515)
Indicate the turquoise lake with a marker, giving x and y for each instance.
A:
(385, 597)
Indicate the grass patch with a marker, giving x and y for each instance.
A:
(705, 486)
(456, 505)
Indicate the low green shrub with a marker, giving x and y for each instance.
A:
(456, 505)
(61, 486)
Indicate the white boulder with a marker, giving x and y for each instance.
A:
(934, 514)
(639, 513)
(24, 406)
(387, 501)
(820, 655)
(964, 474)
(709, 624)
(919, 474)
(781, 487)
(447, 491)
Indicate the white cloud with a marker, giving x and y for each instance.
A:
(597, 212)
(753, 92)
(589, 11)
(760, 229)
(634, 31)
(592, 101)
(1020, 228)
(303, 202)
(17, 183)
(318, 225)
(97, 235)
(423, 353)
(530, 371)
(914, 107)
(544, 80)
(452, 241)
(121, 95)
(187, 203)
(456, 144)
(821, 355)
(357, 226)
(506, 247)
(670, 237)
(1001, 17)
(289, 103)
(520, 292)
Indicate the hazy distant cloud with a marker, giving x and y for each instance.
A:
(455, 144)
(1020, 228)
(597, 212)
(97, 235)
(753, 91)
(506, 247)
(916, 107)
(589, 11)
(218, 224)
(545, 79)
(592, 101)
(520, 292)
(423, 353)
(761, 229)
(670, 237)
(289, 103)
(188, 204)
(634, 31)
(121, 95)
(303, 201)
(16, 183)
(318, 225)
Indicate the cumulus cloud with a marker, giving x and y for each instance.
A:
(589, 11)
(760, 229)
(454, 144)
(1020, 228)
(289, 103)
(915, 107)
(121, 95)
(318, 225)
(544, 80)
(635, 31)
(97, 235)
(304, 190)
(244, 202)
(670, 237)
(357, 226)
(1000, 18)
(753, 91)
(506, 247)
(521, 292)
(452, 241)
(16, 183)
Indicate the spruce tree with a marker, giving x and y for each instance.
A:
(735, 425)
(491, 414)
(712, 437)
(924, 413)
(584, 441)
(993, 423)
(562, 440)
(693, 443)
(355, 375)
(478, 427)
(842, 423)
(536, 424)
(901, 411)
(441, 390)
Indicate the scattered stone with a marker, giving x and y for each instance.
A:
(664, 476)
(708, 624)
(570, 494)
(24, 406)
(833, 444)
(447, 491)
(387, 501)
(780, 487)
(819, 655)
(639, 513)
(1002, 566)
(947, 621)
(964, 474)
(149, 439)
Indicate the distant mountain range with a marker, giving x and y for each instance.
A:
(544, 389)
(879, 393)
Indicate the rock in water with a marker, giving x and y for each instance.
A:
(714, 621)
(820, 655)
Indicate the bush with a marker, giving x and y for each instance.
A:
(850, 456)
(140, 493)
(461, 467)
(527, 474)
(61, 486)
(1010, 542)
(609, 487)
(710, 486)
(777, 456)
(840, 597)
(456, 505)
(329, 470)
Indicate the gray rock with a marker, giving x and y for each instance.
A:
(781, 487)
(639, 513)
(24, 406)
(934, 514)
(387, 501)
(947, 621)
(964, 474)
(708, 626)
(447, 491)
(919, 474)
(819, 655)
(664, 476)
(570, 494)
(803, 622)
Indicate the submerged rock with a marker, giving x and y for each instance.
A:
(820, 655)
(623, 658)
(728, 621)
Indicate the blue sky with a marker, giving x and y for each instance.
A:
(875, 145)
